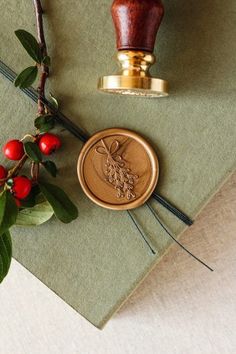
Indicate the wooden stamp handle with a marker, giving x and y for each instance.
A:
(136, 23)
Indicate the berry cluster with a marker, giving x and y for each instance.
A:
(31, 201)
(20, 186)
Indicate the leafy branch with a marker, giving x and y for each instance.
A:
(29, 200)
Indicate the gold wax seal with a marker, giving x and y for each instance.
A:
(118, 169)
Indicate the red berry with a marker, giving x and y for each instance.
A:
(21, 187)
(48, 143)
(14, 150)
(3, 173)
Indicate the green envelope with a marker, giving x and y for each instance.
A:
(96, 262)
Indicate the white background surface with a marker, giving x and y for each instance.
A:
(181, 308)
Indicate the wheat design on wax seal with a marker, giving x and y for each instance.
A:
(116, 172)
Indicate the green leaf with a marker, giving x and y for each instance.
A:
(32, 151)
(37, 215)
(28, 202)
(46, 60)
(63, 207)
(44, 123)
(5, 254)
(27, 77)
(50, 167)
(8, 211)
(30, 44)
(35, 197)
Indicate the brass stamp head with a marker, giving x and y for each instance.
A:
(134, 77)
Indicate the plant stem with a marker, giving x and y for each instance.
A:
(34, 171)
(17, 167)
(42, 43)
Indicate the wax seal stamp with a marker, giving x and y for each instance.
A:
(136, 23)
(118, 169)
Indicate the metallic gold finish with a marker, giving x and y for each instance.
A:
(117, 173)
(118, 169)
(134, 78)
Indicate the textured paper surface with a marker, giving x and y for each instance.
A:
(180, 308)
(95, 262)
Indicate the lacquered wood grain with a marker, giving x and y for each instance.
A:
(136, 23)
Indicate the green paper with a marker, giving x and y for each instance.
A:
(96, 262)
